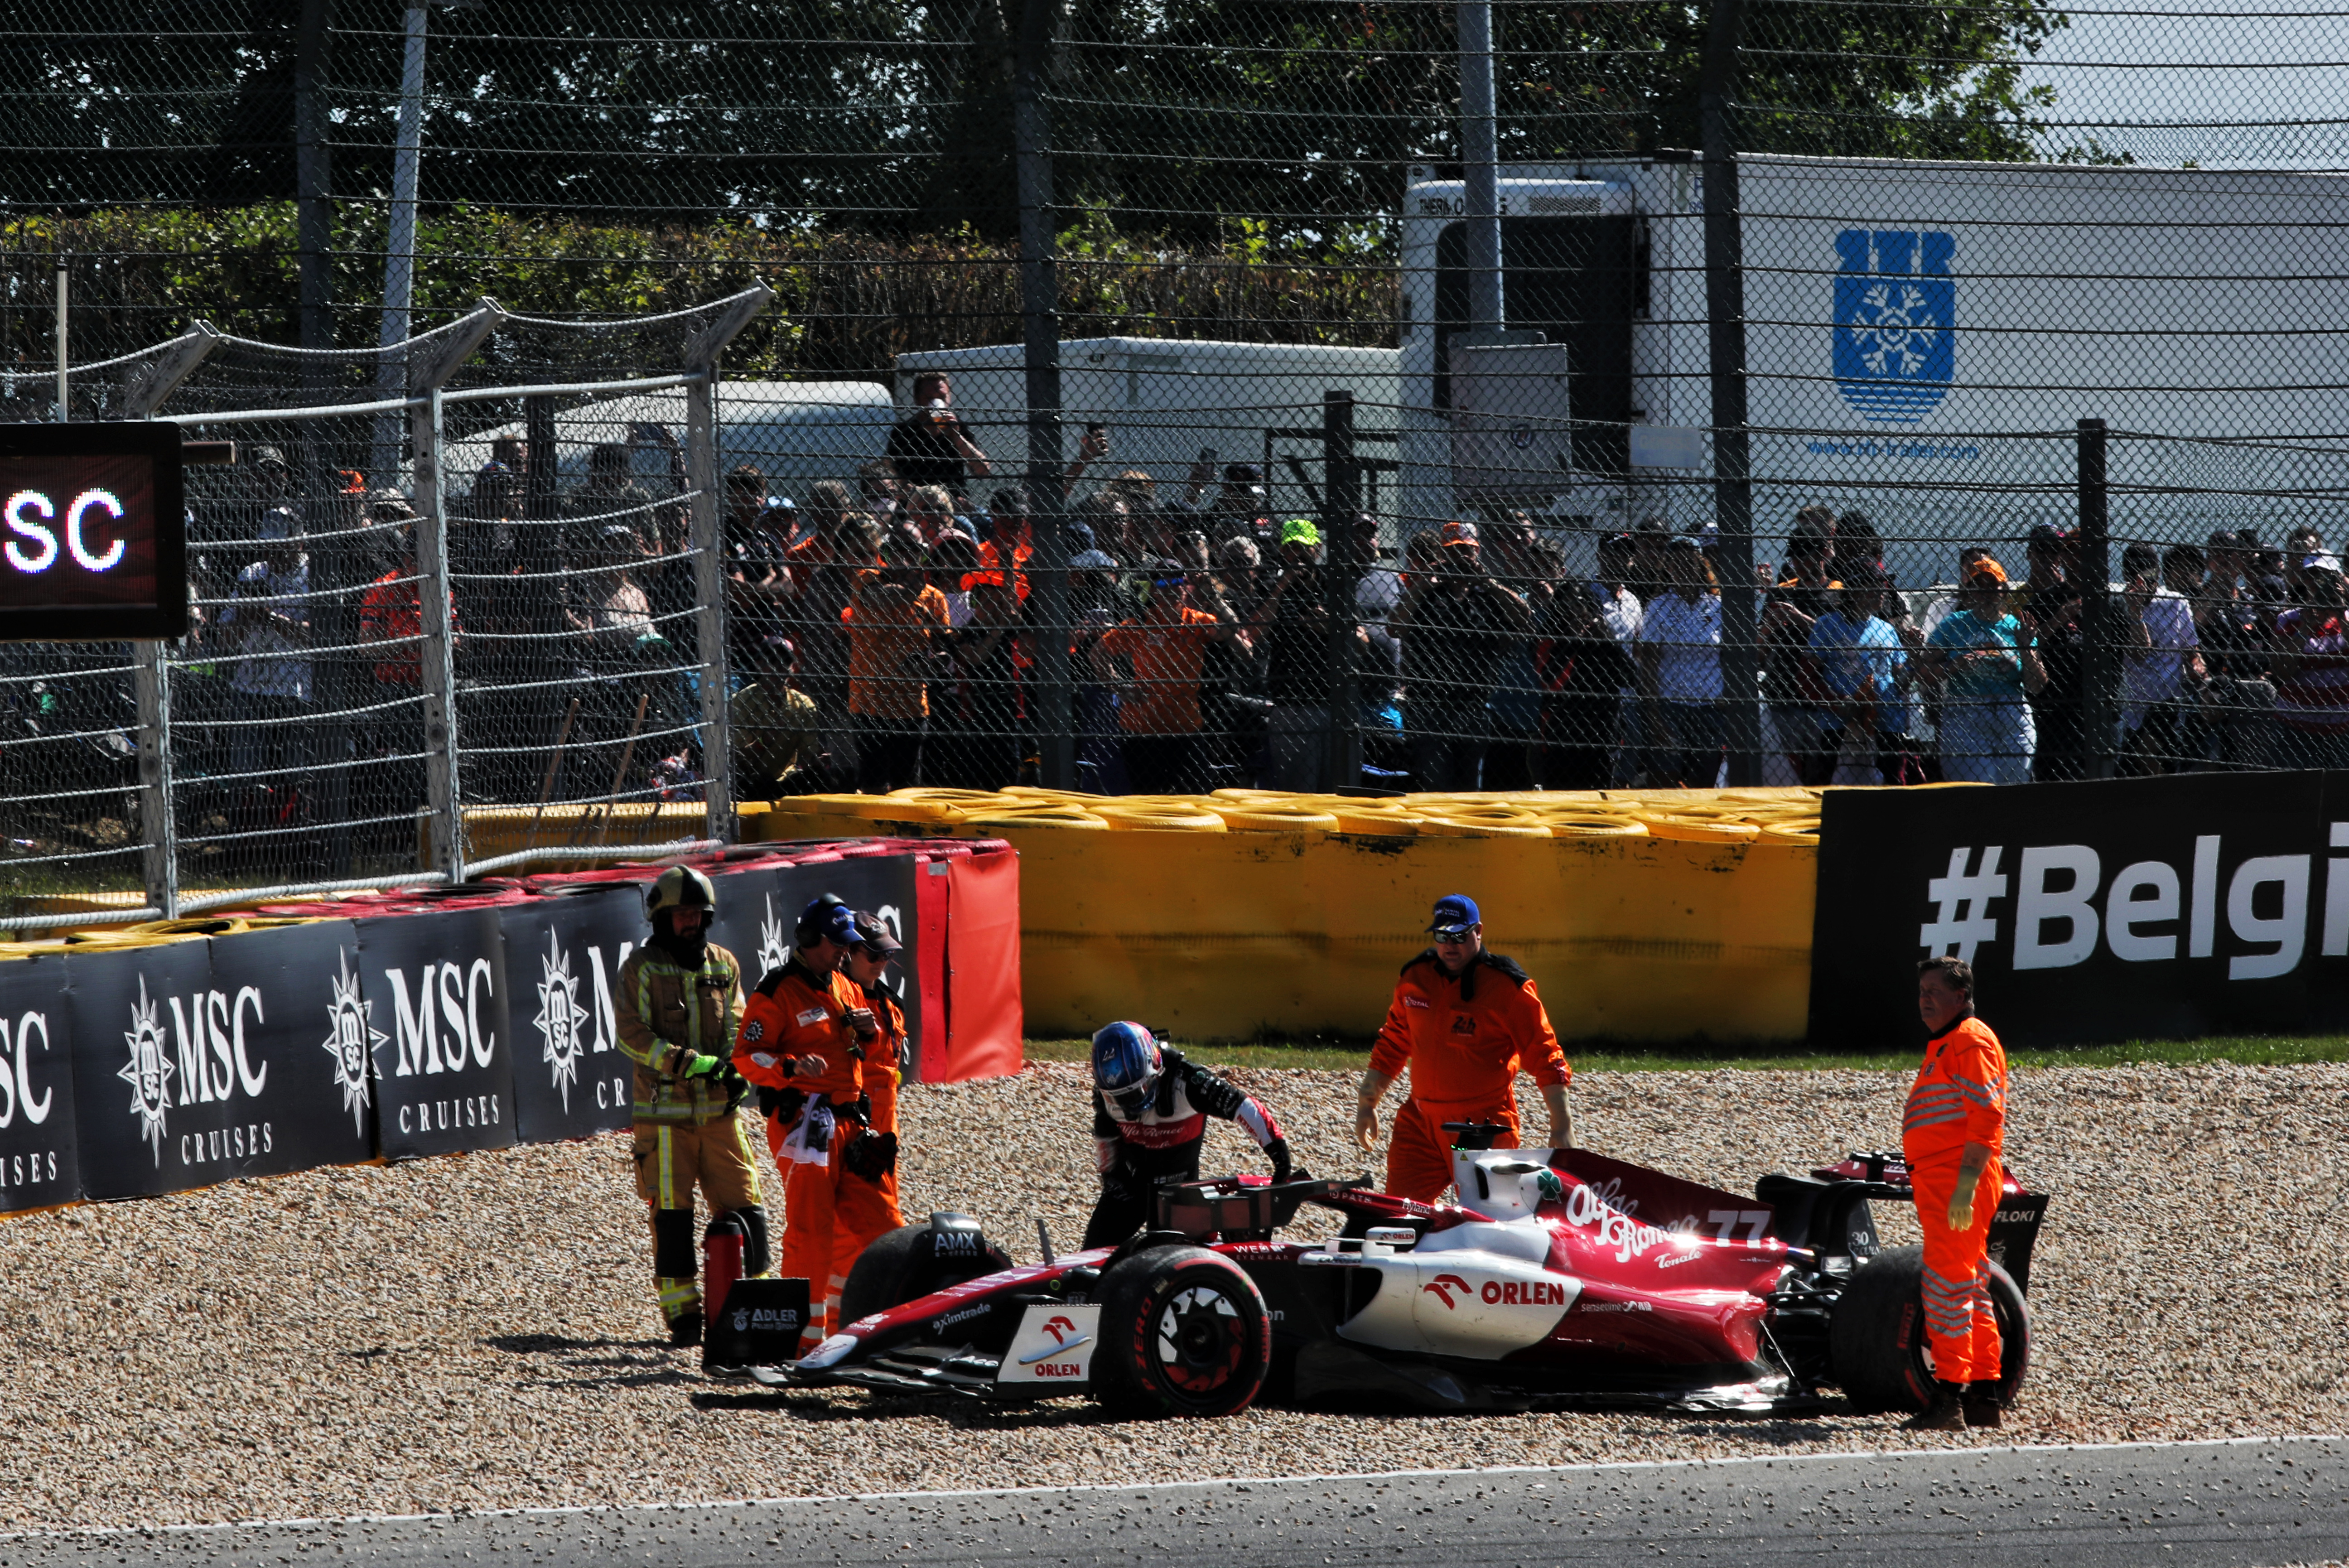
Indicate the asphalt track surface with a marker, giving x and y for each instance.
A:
(2247, 1502)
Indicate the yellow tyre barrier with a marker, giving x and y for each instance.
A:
(1564, 825)
(1690, 831)
(1047, 817)
(1276, 819)
(875, 807)
(1796, 832)
(1466, 822)
(1155, 816)
(1377, 824)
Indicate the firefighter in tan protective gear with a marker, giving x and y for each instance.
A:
(679, 1004)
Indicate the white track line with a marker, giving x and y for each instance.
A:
(1594, 1468)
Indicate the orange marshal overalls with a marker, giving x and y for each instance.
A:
(865, 1210)
(884, 1064)
(1463, 1041)
(1958, 1097)
(794, 1012)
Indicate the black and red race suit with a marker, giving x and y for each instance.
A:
(1160, 1147)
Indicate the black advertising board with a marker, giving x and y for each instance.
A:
(2135, 908)
(155, 1060)
(95, 530)
(435, 984)
(757, 910)
(37, 1162)
(198, 1061)
(309, 1032)
(562, 964)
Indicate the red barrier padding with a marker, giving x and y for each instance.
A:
(983, 1012)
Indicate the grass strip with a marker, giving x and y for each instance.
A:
(1708, 1056)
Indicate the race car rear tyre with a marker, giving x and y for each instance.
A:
(1877, 1347)
(1183, 1331)
(899, 1267)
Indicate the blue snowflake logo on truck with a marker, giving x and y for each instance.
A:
(1895, 304)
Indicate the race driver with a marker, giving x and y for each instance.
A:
(867, 1205)
(1951, 1134)
(680, 998)
(1464, 1021)
(1149, 1114)
(804, 1031)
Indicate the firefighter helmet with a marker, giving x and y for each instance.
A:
(680, 888)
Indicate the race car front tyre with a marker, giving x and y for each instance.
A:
(1183, 1331)
(1877, 1348)
(905, 1265)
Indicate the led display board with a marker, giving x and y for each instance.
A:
(93, 532)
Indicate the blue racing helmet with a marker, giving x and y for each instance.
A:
(1126, 1064)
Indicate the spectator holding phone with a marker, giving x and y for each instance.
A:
(930, 446)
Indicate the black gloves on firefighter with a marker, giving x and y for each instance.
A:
(871, 1154)
(1276, 1151)
(737, 1088)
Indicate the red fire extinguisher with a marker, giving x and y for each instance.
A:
(722, 1265)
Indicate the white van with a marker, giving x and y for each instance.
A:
(795, 432)
(1165, 402)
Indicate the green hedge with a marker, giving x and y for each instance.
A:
(848, 302)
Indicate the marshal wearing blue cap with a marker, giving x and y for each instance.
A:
(1464, 1022)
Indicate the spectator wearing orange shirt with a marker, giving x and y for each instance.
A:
(890, 618)
(1158, 708)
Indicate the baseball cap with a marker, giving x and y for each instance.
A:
(871, 932)
(1243, 473)
(1986, 567)
(1459, 532)
(1454, 913)
(1297, 531)
(831, 919)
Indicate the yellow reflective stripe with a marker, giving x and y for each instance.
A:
(664, 1152)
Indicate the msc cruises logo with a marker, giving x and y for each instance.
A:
(1895, 304)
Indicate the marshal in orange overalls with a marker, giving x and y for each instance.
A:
(1463, 1041)
(866, 1207)
(794, 1012)
(1958, 1097)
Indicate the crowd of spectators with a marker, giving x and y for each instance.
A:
(885, 630)
(1208, 651)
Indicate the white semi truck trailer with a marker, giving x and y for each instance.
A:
(1921, 341)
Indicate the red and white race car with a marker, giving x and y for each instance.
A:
(1561, 1277)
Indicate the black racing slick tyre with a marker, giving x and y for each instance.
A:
(1877, 1347)
(903, 1266)
(1183, 1331)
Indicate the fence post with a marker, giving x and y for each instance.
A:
(1733, 488)
(439, 652)
(1039, 313)
(702, 477)
(1341, 494)
(2100, 669)
(158, 833)
(427, 374)
(313, 177)
(150, 681)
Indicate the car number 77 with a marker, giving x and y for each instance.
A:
(1725, 1220)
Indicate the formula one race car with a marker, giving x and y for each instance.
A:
(1562, 1278)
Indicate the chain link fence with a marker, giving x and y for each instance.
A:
(1164, 399)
